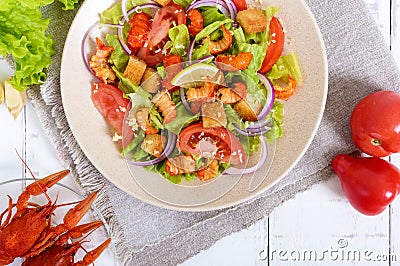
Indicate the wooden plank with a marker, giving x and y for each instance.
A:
(395, 158)
(243, 248)
(394, 222)
(305, 230)
(12, 139)
(41, 155)
(322, 218)
(395, 40)
(12, 136)
(381, 12)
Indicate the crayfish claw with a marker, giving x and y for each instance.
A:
(91, 256)
(78, 231)
(75, 214)
(41, 185)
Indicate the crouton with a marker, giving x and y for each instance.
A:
(245, 111)
(163, 2)
(213, 115)
(252, 20)
(135, 69)
(153, 144)
(151, 80)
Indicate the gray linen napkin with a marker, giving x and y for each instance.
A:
(358, 65)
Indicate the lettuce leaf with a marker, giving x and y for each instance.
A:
(182, 119)
(232, 117)
(23, 36)
(183, 3)
(127, 87)
(201, 51)
(211, 14)
(118, 57)
(276, 116)
(211, 28)
(286, 65)
(258, 51)
(135, 143)
(68, 4)
(114, 13)
(180, 40)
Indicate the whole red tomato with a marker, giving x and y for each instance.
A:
(370, 183)
(375, 124)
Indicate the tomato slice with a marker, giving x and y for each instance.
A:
(275, 48)
(194, 139)
(240, 4)
(173, 65)
(109, 101)
(165, 18)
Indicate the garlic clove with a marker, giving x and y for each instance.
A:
(15, 100)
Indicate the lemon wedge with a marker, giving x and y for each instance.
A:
(194, 75)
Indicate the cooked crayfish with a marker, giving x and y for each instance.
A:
(234, 62)
(195, 22)
(220, 46)
(99, 62)
(62, 253)
(29, 232)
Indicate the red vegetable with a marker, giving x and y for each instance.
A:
(165, 18)
(370, 183)
(140, 26)
(173, 65)
(195, 139)
(275, 48)
(109, 101)
(375, 124)
(240, 4)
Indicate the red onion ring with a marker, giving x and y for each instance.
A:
(184, 101)
(259, 124)
(126, 19)
(263, 159)
(169, 147)
(190, 50)
(221, 5)
(253, 131)
(205, 58)
(270, 96)
(124, 12)
(84, 47)
(232, 8)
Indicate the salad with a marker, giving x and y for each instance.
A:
(192, 88)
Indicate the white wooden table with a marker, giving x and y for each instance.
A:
(318, 227)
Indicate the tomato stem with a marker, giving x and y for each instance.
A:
(376, 142)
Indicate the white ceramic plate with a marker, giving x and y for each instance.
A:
(93, 135)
